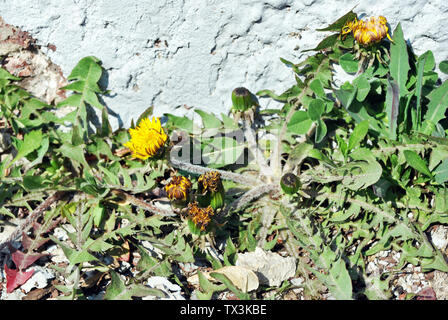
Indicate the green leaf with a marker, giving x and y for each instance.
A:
(437, 155)
(443, 66)
(117, 290)
(270, 93)
(7, 76)
(75, 153)
(89, 70)
(414, 160)
(74, 256)
(208, 120)
(145, 114)
(289, 64)
(343, 289)
(228, 122)
(321, 131)
(327, 42)
(180, 122)
(423, 63)
(360, 174)
(358, 134)
(300, 122)
(363, 86)
(317, 87)
(207, 286)
(441, 172)
(31, 142)
(316, 109)
(229, 255)
(98, 212)
(349, 63)
(228, 283)
(339, 23)
(399, 60)
(299, 153)
(438, 103)
(428, 60)
(34, 182)
(220, 151)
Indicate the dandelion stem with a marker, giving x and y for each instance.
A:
(195, 169)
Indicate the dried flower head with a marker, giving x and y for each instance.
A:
(147, 138)
(367, 32)
(210, 181)
(200, 216)
(178, 188)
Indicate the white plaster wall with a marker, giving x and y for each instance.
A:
(177, 53)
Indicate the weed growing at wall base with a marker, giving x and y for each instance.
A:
(336, 176)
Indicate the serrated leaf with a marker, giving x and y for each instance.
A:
(89, 70)
(15, 278)
(339, 23)
(31, 142)
(209, 120)
(414, 160)
(180, 122)
(220, 151)
(75, 153)
(74, 256)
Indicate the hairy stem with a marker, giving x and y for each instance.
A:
(276, 155)
(249, 196)
(143, 204)
(249, 134)
(195, 169)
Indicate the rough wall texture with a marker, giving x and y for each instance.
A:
(176, 54)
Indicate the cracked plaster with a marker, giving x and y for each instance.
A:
(178, 53)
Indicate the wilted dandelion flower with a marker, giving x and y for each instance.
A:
(210, 181)
(147, 138)
(368, 32)
(178, 189)
(201, 217)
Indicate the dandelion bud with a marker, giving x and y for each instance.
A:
(290, 183)
(242, 99)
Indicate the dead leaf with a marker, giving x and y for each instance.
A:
(37, 294)
(244, 279)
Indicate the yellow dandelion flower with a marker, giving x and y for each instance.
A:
(147, 138)
(369, 31)
(178, 189)
(200, 216)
